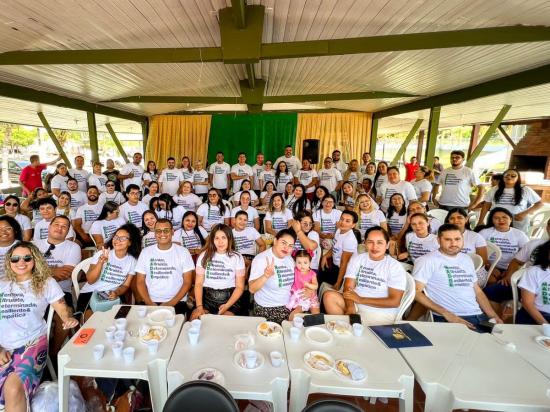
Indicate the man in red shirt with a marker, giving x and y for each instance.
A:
(31, 175)
(411, 168)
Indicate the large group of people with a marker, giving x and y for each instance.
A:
(261, 239)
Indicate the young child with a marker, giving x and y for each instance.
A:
(304, 278)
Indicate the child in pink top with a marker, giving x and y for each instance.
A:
(304, 279)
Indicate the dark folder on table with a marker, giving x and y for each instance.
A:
(399, 336)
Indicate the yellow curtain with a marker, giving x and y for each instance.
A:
(347, 132)
(178, 136)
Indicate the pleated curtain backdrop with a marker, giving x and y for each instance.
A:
(347, 132)
(178, 136)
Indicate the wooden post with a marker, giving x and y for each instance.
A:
(474, 138)
(419, 145)
(54, 140)
(433, 129)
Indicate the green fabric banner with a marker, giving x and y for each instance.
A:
(268, 133)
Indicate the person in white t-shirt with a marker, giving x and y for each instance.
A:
(330, 177)
(448, 276)
(423, 184)
(521, 201)
(47, 209)
(397, 218)
(373, 285)
(307, 238)
(200, 180)
(170, 178)
(150, 174)
(220, 275)
(23, 341)
(420, 241)
(246, 185)
(59, 181)
(283, 176)
(186, 169)
(191, 235)
(380, 177)
(213, 211)
(267, 175)
(78, 198)
(298, 202)
(79, 174)
(11, 208)
(10, 233)
(457, 183)
(278, 216)
(168, 209)
(220, 175)
(187, 198)
(97, 178)
(132, 173)
(248, 241)
(392, 186)
(86, 215)
(272, 277)
(344, 246)
(307, 177)
(267, 191)
(148, 222)
(165, 271)
(106, 224)
(112, 195)
(339, 164)
(257, 170)
(240, 171)
(326, 221)
(368, 214)
(64, 206)
(292, 161)
(352, 174)
(251, 212)
(132, 211)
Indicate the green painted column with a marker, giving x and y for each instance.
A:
(54, 140)
(145, 134)
(433, 129)
(117, 142)
(373, 138)
(407, 141)
(92, 132)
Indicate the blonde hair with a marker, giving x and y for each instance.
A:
(40, 271)
(357, 210)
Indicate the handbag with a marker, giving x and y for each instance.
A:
(99, 304)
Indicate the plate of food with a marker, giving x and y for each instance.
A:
(150, 333)
(240, 359)
(209, 374)
(318, 335)
(349, 370)
(543, 341)
(160, 315)
(269, 329)
(339, 327)
(319, 361)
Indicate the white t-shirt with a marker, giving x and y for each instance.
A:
(219, 172)
(387, 190)
(267, 176)
(368, 220)
(105, 197)
(374, 277)
(133, 213)
(327, 221)
(456, 186)
(343, 242)
(472, 241)
(279, 220)
(187, 174)
(150, 176)
(276, 290)
(106, 228)
(138, 175)
(41, 231)
(245, 240)
(251, 212)
(382, 179)
(526, 253)
(313, 235)
(396, 223)
(422, 186)
(170, 180)
(305, 177)
(537, 281)
(341, 166)
(190, 201)
(98, 181)
(211, 215)
(88, 214)
(59, 182)
(78, 199)
(222, 270)
(529, 197)
(22, 312)
(329, 178)
(23, 221)
(418, 247)
(66, 253)
(434, 224)
(63, 212)
(253, 196)
(449, 281)
(354, 178)
(282, 180)
(146, 200)
(256, 173)
(200, 176)
(188, 238)
(240, 170)
(163, 270)
(292, 162)
(113, 274)
(81, 177)
(508, 243)
(149, 239)
(3, 251)
(175, 216)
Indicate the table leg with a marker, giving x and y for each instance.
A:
(158, 384)
(63, 383)
(438, 399)
(299, 390)
(406, 402)
(279, 390)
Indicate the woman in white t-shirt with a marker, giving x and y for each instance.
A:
(380, 177)
(369, 215)
(153, 193)
(326, 220)
(246, 185)
(422, 184)
(10, 232)
(151, 173)
(186, 169)
(521, 201)
(252, 213)
(278, 216)
(267, 192)
(419, 241)
(192, 236)
(186, 198)
(271, 278)
(248, 241)
(97, 178)
(11, 207)
(298, 201)
(307, 238)
(370, 172)
(168, 209)
(220, 275)
(214, 211)
(106, 224)
(148, 221)
(112, 268)
(200, 180)
(64, 206)
(112, 195)
(59, 181)
(267, 175)
(282, 176)
(23, 342)
(373, 285)
(348, 196)
(318, 196)
(307, 177)
(397, 216)
(353, 174)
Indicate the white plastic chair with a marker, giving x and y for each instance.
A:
(515, 292)
(478, 260)
(439, 214)
(49, 321)
(473, 218)
(408, 297)
(538, 224)
(407, 266)
(82, 266)
(495, 254)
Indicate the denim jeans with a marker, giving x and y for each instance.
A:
(473, 319)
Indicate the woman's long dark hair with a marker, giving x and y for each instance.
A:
(17, 232)
(302, 214)
(377, 175)
(170, 205)
(391, 208)
(542, 255)
(196, 228)
(300, 204)
(518, 190)
(492, 214)
(155, 170)
(461, 212)
(317, 202)
(108, 207)
(278, 171)
(210, 247)
(135, 239)
(221, 205)
(143, 226)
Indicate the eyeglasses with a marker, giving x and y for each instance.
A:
(11, 204)
(122, 238)
(49, 251)
(212, 195)
(165, 231)
(306, 224)
(16, 258)
(134, 193)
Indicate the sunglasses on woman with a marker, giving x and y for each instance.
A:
(11, 204)
(16, 258)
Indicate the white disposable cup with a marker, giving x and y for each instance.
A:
(142, 311)
(298, 322)
(110, 333)
(193, 335)
(153, 346)
(128, 354)
(98, 351)
(196, 324)
(546, 329)
(117, 349)
(295, 333)
(276, 358)
(121, 324)
(120, 335)
(358, 329)
(250, 358)
(170, 322)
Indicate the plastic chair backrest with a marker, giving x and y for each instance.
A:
(331, 405)
(199, 396)
(439, 214)
(407, 266)
(495, 254)
(408, 297)
(515, 292)
(538, 224)
(82, 266)
(49, 321)
(478, 260)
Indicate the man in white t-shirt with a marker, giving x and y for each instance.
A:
(80, 174)
(132, 173)
(457, 181)
(219, 173)
(239, 172)
(46, 208)
(449, 280)
(338, 163)
(170, 178)
(330, 177)
(392, 186)
(292, 162)
(133, 210)
(365, 160)
(257, 170)
(78, 198)
(86, 215)
(165, 271)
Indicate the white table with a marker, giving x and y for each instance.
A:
(523, 339)
(468, 370)
(75, 360)
(387, 373)
(216, 349)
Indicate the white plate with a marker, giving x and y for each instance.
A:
(318, 335)
(347, 375)
(319, 361)
(160, 315)
(155, 332)
(269, 329)
(209, 374)
(240, 360)
(543, 341)
(339, 327)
